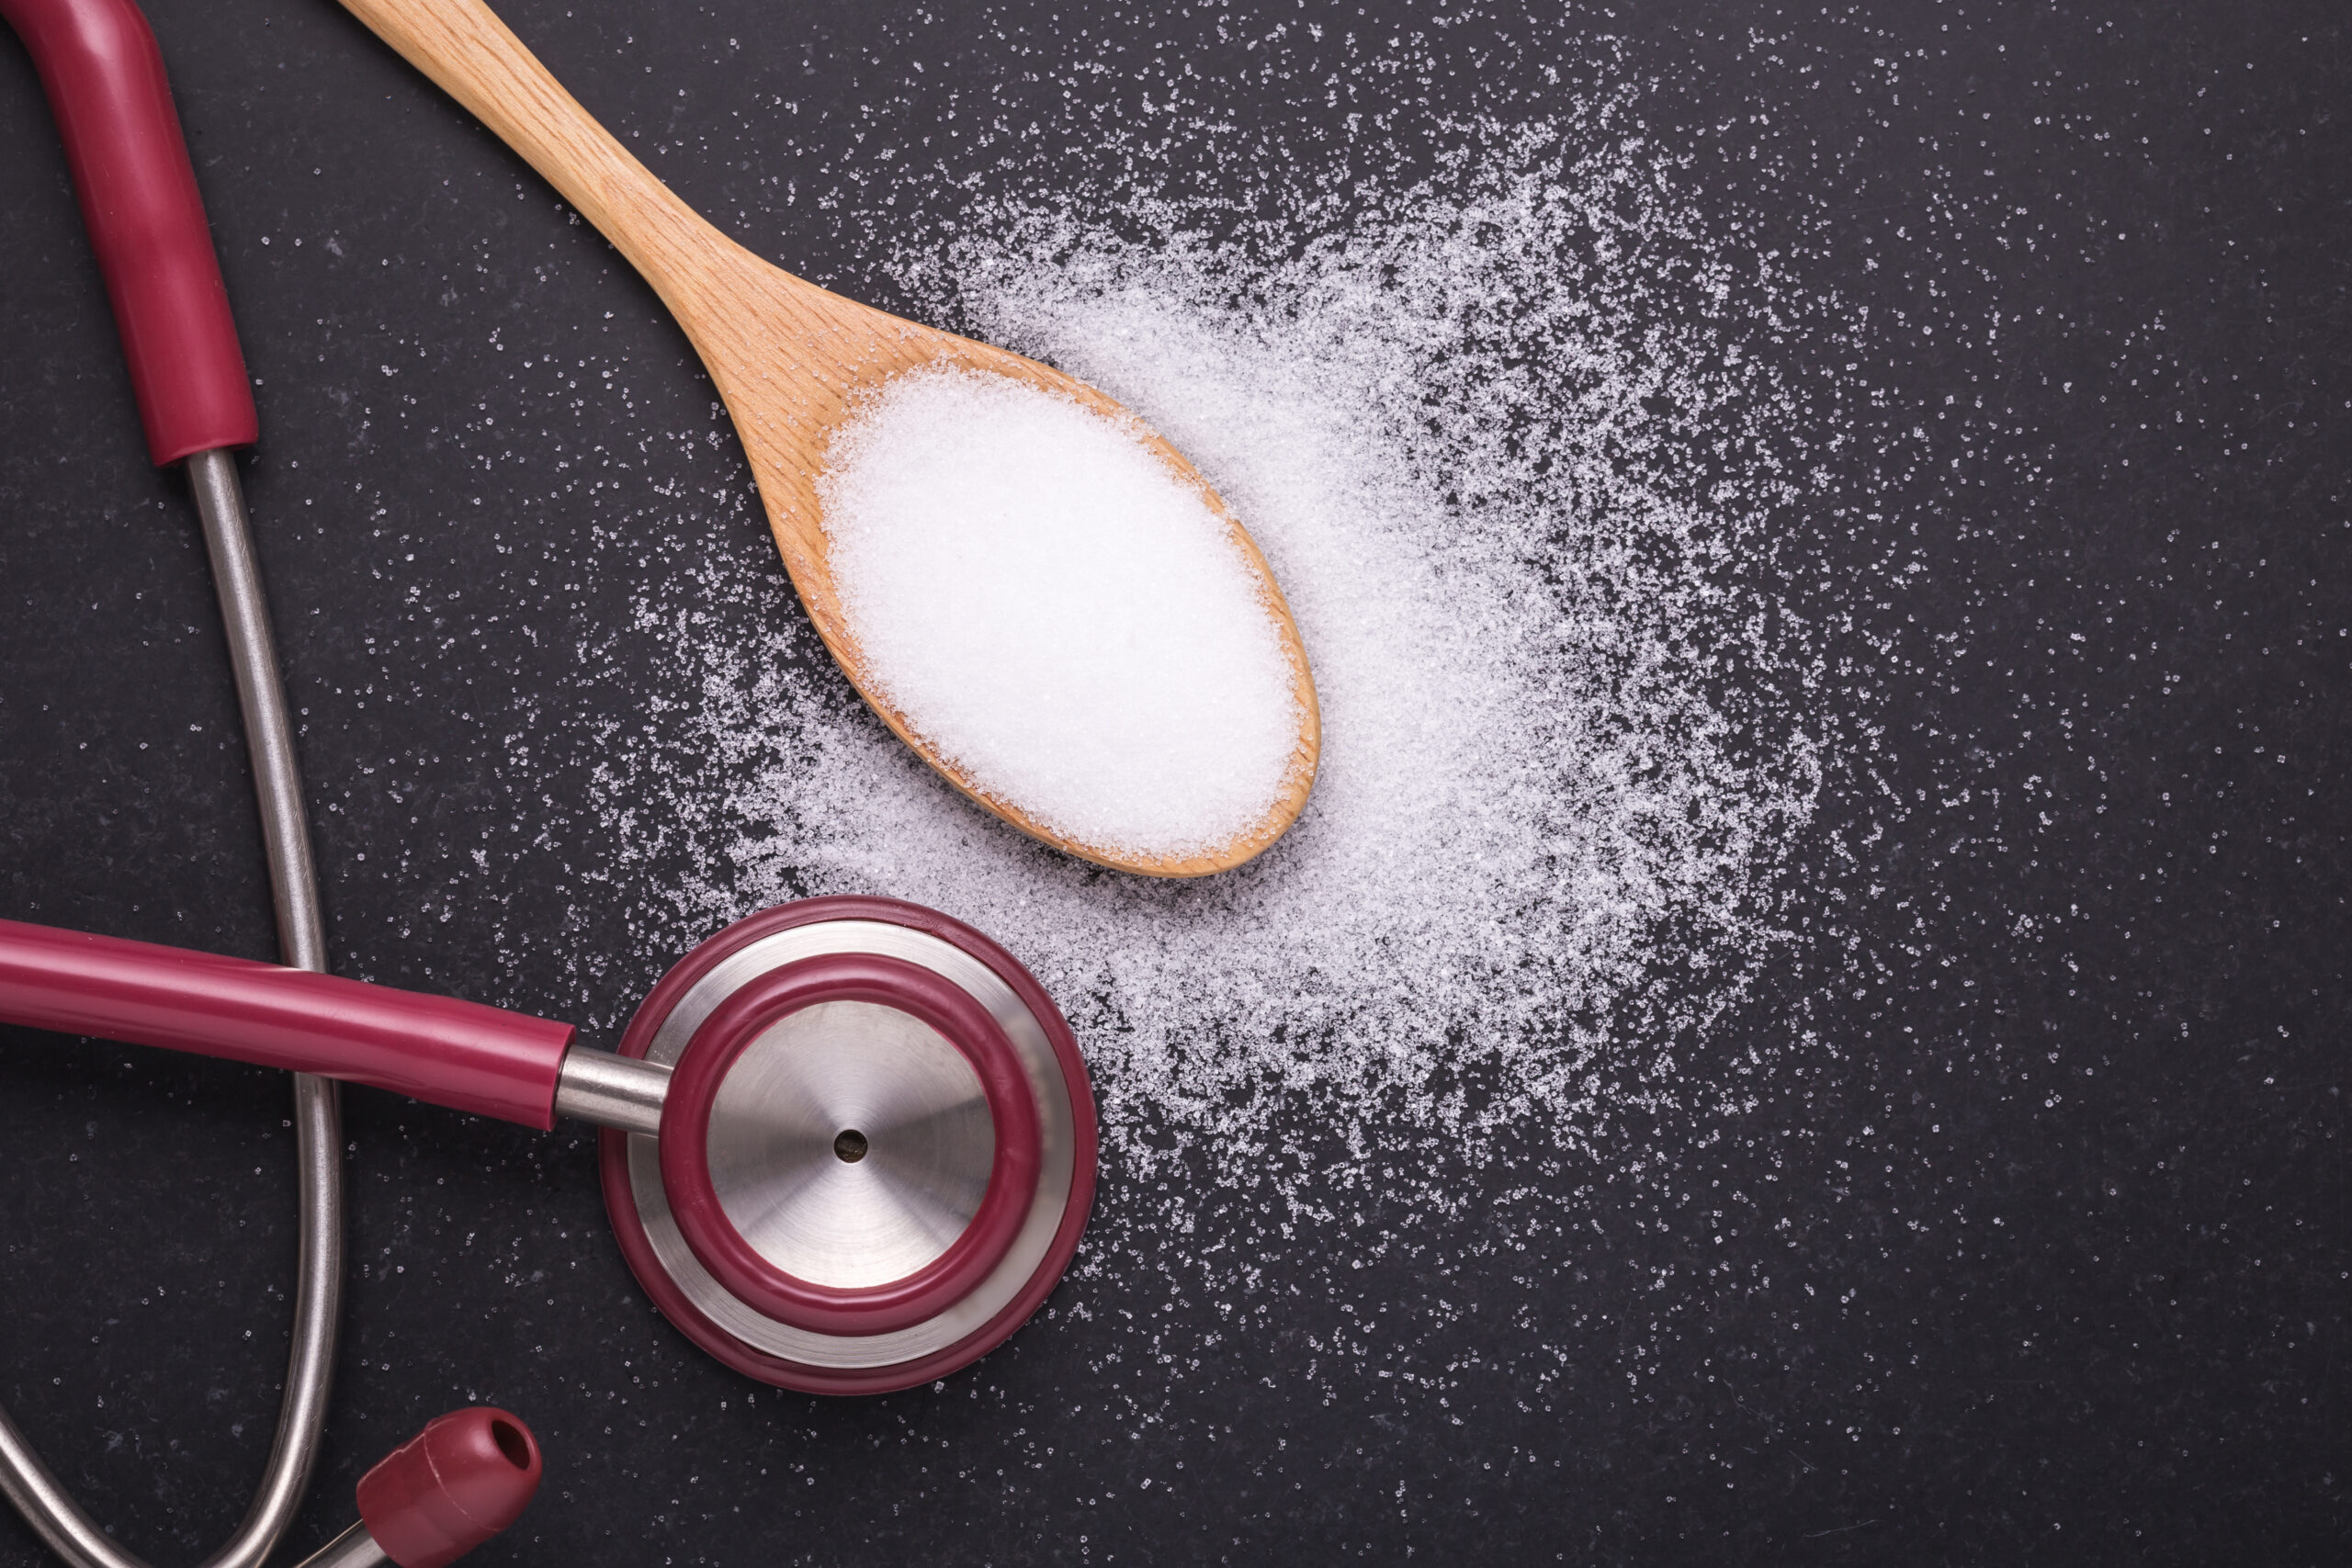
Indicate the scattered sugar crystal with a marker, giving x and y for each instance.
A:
(1057, 614)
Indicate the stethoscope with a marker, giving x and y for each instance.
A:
(849, 1142)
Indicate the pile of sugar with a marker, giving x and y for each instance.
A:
(1509, 464)
(1057, 614)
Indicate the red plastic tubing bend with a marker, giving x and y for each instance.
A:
(104, 75)
(461, 1054)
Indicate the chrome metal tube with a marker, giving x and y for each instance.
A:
(612, 1090)
(355, 1548)
(269, 733)
(318, 1136)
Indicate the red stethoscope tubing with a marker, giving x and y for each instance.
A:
(103, 76)
(462, 1054)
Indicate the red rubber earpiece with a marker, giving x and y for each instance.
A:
(463, 1479)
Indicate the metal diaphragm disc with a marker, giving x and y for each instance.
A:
(799, 1228)
(850, 1144)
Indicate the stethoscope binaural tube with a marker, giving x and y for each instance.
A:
(103, 77)
(853, 1159)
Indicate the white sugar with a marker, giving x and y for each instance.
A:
(1547, 825)
(1520, 448)
(1057, 614)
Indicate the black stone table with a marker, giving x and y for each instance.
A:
(2040, 1255)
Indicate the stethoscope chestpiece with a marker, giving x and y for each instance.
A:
(854, 1141)
(877, 1151)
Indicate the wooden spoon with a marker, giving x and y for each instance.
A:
(789, 359)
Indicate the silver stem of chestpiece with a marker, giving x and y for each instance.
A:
(611, 1091)
(301, 940)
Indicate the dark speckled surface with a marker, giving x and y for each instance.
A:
(2052, 1244)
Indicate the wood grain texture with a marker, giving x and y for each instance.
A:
(791, 359)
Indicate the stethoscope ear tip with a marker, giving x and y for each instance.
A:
(454, 1484)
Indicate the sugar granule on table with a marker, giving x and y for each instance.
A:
(1057, 614)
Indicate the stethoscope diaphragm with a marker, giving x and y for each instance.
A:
(894, 1148)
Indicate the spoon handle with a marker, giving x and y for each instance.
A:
(474, 58)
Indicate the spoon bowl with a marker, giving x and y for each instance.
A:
(793, 362)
